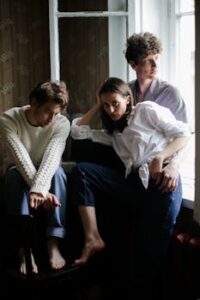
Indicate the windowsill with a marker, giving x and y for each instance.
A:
(187, 172)
(188, 203)
(188, 192)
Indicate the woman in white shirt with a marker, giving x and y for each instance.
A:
(145, 137)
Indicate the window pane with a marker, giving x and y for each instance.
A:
(186, 64)
(186, 5)
(186, 85)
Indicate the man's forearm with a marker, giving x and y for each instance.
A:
(21, 158)
(178, 158)
(174, 148)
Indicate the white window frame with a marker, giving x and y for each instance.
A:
(174, 16)
(115, 16)
(135, 21)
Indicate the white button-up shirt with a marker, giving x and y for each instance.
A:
(150, 128)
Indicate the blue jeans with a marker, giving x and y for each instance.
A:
(16, 202)
(154, 213)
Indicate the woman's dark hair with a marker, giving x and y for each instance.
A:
(118, 86)
(50, 91)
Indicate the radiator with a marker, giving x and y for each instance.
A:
(185, 266)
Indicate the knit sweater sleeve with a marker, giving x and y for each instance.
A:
(51, 158)
(38, 179)
(16, 149)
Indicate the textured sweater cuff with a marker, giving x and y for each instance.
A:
(39, 188)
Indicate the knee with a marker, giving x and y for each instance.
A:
(60, 175)
(77, 174)
(80, 168)
(13, 175)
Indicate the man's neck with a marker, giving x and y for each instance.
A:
(143, 85)
(29, 117)
(141, 89)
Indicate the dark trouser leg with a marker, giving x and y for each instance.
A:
(89, 178)
(153, 234)
(16, 193)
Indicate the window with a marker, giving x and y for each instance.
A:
(173, 22)
(184, 77)
(92, 37)
(87, 40)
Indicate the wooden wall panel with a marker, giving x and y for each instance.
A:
(24, 51)
(84, 59)
(83, 52)
(82, 5)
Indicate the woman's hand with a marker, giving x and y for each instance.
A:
(156, 168)
(170, 178)
(98, 93)
(98, 100)
(165, 177)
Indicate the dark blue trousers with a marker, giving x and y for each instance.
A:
(16, 202)
(154, 213)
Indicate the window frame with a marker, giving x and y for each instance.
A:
(135, 21)
(122, 70)
(175, 16)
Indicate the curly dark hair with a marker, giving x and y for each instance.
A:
(50, 91)
(140, 45)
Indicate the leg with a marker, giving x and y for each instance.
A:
(56, 220)
(90, 178)
(16, 191)
(23, 263)
(17, 203)
(154, 232)
(93, 240)
(87, 179)
(56, 259)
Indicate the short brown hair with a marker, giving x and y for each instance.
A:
(140, 45)
(53, 91)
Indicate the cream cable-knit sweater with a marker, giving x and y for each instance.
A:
(35, 151)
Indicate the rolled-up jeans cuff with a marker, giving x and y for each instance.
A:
(56, 232)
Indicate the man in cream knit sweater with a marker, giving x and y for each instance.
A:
(35, 136)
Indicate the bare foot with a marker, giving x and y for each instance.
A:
(22, 267)
(56, 260)
(91, 247)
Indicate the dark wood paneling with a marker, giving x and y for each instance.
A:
(84, 58)
(82, 5)
(25, 59)
(24, 51)
(83, 52)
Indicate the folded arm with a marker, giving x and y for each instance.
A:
(166, 176)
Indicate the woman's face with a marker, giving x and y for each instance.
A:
(114, 104)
